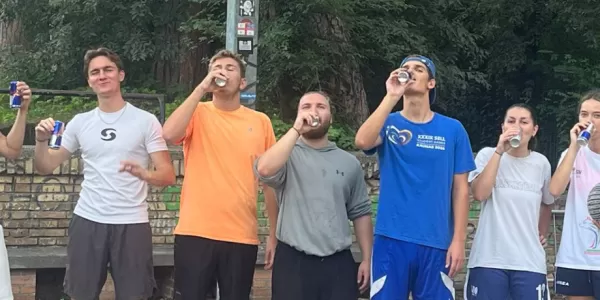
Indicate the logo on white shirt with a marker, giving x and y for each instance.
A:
(108, 134)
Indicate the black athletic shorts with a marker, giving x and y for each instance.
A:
(299, 276)
(572, 282)
(95, 248)
(198, 261)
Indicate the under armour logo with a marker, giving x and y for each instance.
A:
(108, 134)
(338, 172)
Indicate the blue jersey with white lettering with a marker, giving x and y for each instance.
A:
(417, 162)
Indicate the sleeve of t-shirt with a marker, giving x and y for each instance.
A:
(189, 129)
(382, 136)
(463, 154)
(154, 137)
(481, 160)
(70, 139)
(359, 203)
(547, 198)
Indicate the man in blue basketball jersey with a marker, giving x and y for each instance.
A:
(424, 159)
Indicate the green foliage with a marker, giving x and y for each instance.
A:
(58, 108)
(340, 134)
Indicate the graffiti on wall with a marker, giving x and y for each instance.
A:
(170, 197)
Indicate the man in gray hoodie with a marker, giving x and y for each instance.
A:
(319, 188)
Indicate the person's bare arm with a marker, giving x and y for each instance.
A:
(483, 184)
(176, 125)
(367, 136)
(46, 160)
(460, 206)
(363, 229)
(12, 144)
(562, 175)
(545, 217)
(272, 209)
(275, 157)
(163, 173)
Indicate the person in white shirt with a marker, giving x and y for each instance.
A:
(10, 147)
(578, 259)
(507, 259)
(110, 223)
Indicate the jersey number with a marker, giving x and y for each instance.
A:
(541, 289)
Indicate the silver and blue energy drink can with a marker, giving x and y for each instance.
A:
(56, 137)
(15, 100)
(584, 136)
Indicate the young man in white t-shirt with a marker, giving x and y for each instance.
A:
(110, 223)
(10, 147)
(578, 259)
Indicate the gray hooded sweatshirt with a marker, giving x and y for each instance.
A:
(318, 191)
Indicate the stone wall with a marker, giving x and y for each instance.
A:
(35, 212)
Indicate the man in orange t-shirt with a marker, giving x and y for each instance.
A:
(217, 233)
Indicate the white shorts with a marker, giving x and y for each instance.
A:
(5, 286)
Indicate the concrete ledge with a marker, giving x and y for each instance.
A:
(49, 257)
(56, 257)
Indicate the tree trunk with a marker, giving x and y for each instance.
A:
(10, 33)
(346, 85)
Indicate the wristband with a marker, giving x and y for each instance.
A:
(498, 152)
(296, 130)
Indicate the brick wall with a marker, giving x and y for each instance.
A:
(35, 212)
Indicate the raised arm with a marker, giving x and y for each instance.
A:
(174, 129)
(273, 160)
(562, 175)
(483, 183)
(12, 144)
(47, 160)
(367, 136)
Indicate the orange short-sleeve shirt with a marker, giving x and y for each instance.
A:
(219, 192)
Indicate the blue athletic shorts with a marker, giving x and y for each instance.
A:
(498, 284)
(399, 268)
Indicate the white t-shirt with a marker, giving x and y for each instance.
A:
(580, 241)
(507, 236)
(105, 139)
(5, 286)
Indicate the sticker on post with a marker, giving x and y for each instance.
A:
(246, 8)
(245, 46)
(245, 28)
(247, 97)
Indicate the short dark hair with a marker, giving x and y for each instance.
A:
(533, 140)
(593, 94)
(93, 53)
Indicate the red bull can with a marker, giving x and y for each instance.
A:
(585, 135)
(15, 100)
(56, 137)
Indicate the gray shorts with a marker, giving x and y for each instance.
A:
(124, 250)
